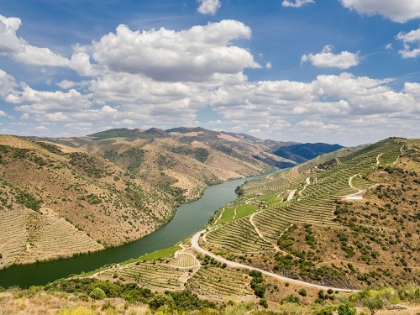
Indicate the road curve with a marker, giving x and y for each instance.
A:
(194, 244)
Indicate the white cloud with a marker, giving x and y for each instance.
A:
(42, 102)
(388, 46)
(268, 66)
(326, 59)
(9, 43)
(80, 62)
(196, 54)
(410, 38)
(296, 3)
(7, 84)
(2, 114)
(40, 57)
(396, 10)
(41, 128)
(208, 6)
(18, 49)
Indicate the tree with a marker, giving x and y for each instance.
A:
(239, 191)
(374, 304)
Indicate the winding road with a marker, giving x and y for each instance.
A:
(233, 264)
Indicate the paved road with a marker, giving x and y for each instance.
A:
(194, 244)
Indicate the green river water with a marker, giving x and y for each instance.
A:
(189, 218)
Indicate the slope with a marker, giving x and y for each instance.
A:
(56, 204)
(349, 222)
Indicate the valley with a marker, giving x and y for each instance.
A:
(71, 196)
(339, 223)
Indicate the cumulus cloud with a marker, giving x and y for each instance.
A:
(327, 59)
(296, 3)
(7, 84)
(208, 6)
(398, 11)
(21, 51)
(195, 54)
(409, 39)
(9, 42)
(42, 102)
(80, 62)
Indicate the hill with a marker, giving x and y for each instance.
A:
(57, 202)
(347, 222)
(63, 197)
(344, 221)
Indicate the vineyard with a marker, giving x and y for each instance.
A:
(151, 275)
(219, 283)
(295, 224)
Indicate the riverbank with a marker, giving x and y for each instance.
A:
(189, 218)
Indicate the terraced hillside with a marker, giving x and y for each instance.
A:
(58, 201)
(349, 221)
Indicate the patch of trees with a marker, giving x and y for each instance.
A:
(28, 200)
(200, 154)
(239, 191)
(257, 283)
(131, 292)
(86, 163)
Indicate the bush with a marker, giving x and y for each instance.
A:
(290, 299)
(97, 294)
(344, 309)
(303, 292)
(160, 300)
(263, 303)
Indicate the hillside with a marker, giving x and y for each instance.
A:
(56, 202)
(347, 222)
(62, 197)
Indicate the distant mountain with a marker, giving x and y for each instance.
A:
(275, 153)
(306, 151)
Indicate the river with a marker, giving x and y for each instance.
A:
(189, 218)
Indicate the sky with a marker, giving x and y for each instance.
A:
(335, 71)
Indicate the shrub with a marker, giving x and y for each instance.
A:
(97, 294)
(302, 292)
(160, 300)
(344, 309)
(263, 303)
(290, 299)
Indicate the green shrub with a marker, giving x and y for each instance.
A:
(263, 303)
(290, 299)
(302, 292)
(344, 309)
(97, 294)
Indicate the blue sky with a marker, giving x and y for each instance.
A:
(336, 71)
